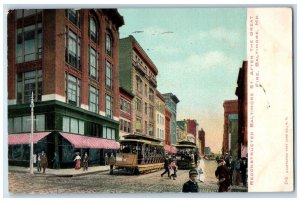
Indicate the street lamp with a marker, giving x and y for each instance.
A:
(31, 135)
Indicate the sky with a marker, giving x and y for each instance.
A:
(198, 53)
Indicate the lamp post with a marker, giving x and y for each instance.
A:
(31, 135)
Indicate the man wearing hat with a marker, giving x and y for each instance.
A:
(191, 185)
(223, 175)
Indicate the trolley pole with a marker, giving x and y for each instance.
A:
(31, 135)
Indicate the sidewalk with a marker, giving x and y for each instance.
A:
(65, 172)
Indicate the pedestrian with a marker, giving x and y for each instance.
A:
(243, 171)
(78, 161)
(105, 159)
(166, 167)
(111, 161)
(223, 176)
(230, 168)
(191, 185)
(34, 159)
(236, 176)
(200, 169)
(173, 167)
(85, 161)
(44, 161)
(38, 162)
(55, 161)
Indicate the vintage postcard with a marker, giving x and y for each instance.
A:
(149, 100)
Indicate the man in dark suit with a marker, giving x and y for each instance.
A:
(166, 167)
(223, 175)
(191, 185)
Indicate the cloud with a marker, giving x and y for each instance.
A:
(219, 34)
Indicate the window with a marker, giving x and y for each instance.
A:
(108, 44)
(145, 89)
(125, 105)
(23, 124)
(73, 90)
(146, 108)
(151, 112)
(22, 13)
(93, 29)
(146, 127)
(93, 63)
(108, 75)
(73, 16)
(27, 83)
(93, 99)
(151, 95)
(139, 84)
(138, 125)
(29, 43)
(109, 133)
(72, 48)
(73, 125)
(108, 106)
(138, 105)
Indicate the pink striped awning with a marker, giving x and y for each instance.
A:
(80, 141)
(170, 149)
(24, 138)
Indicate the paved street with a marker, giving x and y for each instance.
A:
(120, 182)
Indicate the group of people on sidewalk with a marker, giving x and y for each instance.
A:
(230, 172)
(41, 161)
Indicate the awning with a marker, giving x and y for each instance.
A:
(81, 141)
(170, 149)
(24, 138)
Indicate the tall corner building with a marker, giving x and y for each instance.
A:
(69, 60)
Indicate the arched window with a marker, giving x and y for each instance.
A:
(108, 44)
(93, 29)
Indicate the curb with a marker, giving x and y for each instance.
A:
(59, 174)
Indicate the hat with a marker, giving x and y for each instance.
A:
(193, 172)
(220, 160)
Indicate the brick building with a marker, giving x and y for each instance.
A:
(192, 128)
(125, 113)
(137, 75)
(69, 59)
(202, 140)
(242, 93)
(230, 107)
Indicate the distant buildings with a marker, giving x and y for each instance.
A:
(160, 116)
(202, 140)
(230, 107)
(171, 104)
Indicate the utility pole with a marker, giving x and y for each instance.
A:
(31, 135)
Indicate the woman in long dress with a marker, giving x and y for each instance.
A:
(200, 169)
(77, 159)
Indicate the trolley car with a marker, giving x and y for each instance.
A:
(140, 154)
(185, 155)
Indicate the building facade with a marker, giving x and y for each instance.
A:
(242, 93)
(230, 107)
(69, 59)
(233, 145)
(202, 140)
(171, 104)
(137, 75)
(167, 127)
(125, 113)
(192, 128)
(159, 123)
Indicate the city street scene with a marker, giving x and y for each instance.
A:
(144, 100)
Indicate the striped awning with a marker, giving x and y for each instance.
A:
(81, 141)
(170, 149)
(24, 138)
